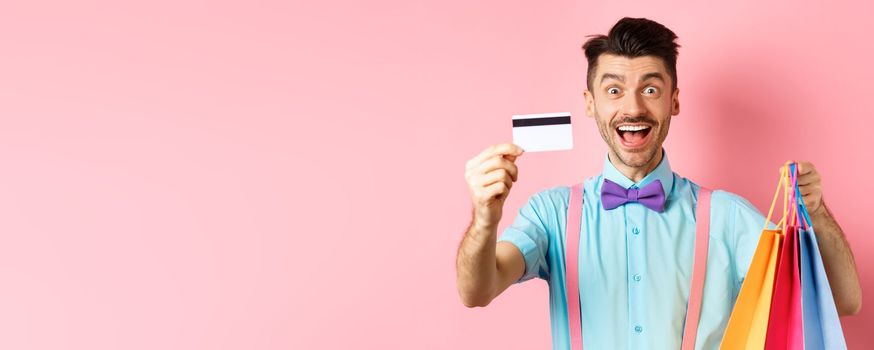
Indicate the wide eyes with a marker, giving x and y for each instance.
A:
(649, 90)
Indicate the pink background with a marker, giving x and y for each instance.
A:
(266, 175)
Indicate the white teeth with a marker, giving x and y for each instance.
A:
(633, 127)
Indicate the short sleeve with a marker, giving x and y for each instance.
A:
(529, 233)
(748, 224)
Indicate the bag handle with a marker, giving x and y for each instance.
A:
(780, 185)
(791, 182)
(806, 223)
(799, 215)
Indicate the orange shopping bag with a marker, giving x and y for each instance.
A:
(748, 324)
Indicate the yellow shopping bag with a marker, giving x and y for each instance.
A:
(748, 323)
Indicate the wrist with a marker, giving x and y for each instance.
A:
(483, 226)
(821, 211)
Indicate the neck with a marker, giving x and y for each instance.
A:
(635, 173)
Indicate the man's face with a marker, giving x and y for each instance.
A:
(632, 102)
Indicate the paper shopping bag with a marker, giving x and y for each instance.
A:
(784, 323)
(748, 322)
(822, 327)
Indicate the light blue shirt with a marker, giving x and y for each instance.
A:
(636, 263)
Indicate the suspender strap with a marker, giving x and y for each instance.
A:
(702, 235)
(571, 255)
(572, 282)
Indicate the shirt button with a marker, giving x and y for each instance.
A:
(638, 329)
(637, 278)
(635, 231)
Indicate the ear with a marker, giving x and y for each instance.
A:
(590, 103)
(675, 102)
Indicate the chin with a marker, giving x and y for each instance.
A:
(637, 158)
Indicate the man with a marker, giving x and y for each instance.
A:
(634, 282)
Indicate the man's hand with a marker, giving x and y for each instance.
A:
(840, 266)
(486, 268)
(490, 175)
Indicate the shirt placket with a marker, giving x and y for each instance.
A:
(636, 278)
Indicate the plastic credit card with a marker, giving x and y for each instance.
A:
(543, 132)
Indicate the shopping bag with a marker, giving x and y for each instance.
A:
(784, 323)
(822, 327)
(748, 324)
(785, 330)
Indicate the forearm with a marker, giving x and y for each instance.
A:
(476, 265)
(840, 266)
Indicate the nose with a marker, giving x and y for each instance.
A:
(632, 105)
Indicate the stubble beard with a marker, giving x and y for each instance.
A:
(607, 133)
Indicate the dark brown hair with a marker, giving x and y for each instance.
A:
(633, 37)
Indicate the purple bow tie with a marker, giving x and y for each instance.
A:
(652, 196)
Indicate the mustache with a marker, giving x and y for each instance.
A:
(635, 120)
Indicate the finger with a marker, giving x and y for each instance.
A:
(497, 190)
(805, 191)
(499, 149)
(499, 163)
(808, 189)
(805, 168)
(495, 176)
(808, 179)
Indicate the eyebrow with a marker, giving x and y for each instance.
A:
(654, 75)
(606, 76)
(647, 76)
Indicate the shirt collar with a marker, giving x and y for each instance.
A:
(662, 172)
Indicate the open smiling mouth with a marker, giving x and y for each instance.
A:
(633, 135)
